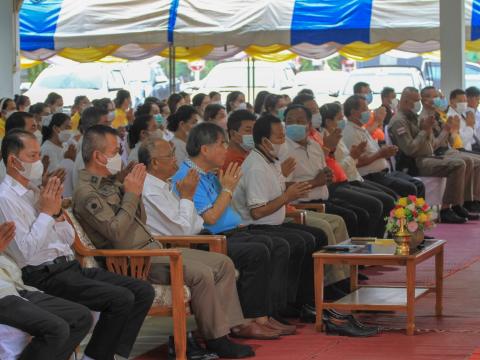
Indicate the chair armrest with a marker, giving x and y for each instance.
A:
(216, 243)
(318, 207)
(299, 216)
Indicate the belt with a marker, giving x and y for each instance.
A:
(59, 260)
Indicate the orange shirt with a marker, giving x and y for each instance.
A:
(378, 133)
(234, 155)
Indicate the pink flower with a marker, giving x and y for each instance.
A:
(412, 226)
(412, 198)
(392, 213)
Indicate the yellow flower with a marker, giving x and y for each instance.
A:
(420, 202)
(422, 218)
(403, 201)
(400, 213)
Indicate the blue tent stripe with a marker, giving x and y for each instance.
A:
(320, 21)
(172, 19)
(475, 20)
(38, 23)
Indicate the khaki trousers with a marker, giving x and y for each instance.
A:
(472, 173)
(211, 279)
(336, 230)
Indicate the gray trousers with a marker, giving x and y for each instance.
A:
(211, 279)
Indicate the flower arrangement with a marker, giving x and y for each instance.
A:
(416, 212)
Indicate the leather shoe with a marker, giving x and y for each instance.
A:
(472, 206)
(448, 216)
(330, 313)
(345, 328)
(462, 212)
(308, 314)
(194, 350)
(278, 326)
(256, 331)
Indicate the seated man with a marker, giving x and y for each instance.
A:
(113, 216)
(377, 117)
(262, 293)
(372, 163)
(459, 108)
(415, 139)
(473, 100)
(42, 249)
(57, 326)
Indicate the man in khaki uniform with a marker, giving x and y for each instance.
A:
(113, 216)
(415, 139)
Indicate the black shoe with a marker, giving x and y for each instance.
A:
(448, 216)
(327, 313)
(333, 293)
(346, 328)
(426, 237)
(194, 350)
(225, 348)
(308, 314)
(462, 212)
(472, 206)
(362, 277)
(290, 311)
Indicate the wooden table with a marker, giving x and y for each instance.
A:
(386, 298)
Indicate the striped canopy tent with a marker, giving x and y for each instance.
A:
(273, 30)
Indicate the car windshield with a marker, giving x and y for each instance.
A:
(238, 77)
(70, 79)
(398, 81)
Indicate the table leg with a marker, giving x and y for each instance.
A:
(353, 277)
(410, 297)
(318, 268)
(439, 282)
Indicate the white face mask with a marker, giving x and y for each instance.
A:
(317, 121)
(8, 114)
(461, 107)
(38, 135)
(32, 171)
(46, 120)
(394, 104)
(417, 107)
(111, 116)
(114, 164)
(64, 135)
(241, 106)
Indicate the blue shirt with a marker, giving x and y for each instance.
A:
(207, 192)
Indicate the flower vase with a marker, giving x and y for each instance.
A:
(402, 238)
(416, 238)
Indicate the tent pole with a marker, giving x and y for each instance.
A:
(253, 77)
(248, 78)
(9, 56)
(171, 68)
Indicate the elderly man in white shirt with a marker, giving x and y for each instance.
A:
(42, 249)
(57, 326)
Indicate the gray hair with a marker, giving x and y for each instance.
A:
(146, 149)
(206, 133)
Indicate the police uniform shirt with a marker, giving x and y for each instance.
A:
(354, 135)
(38, 237)
(110, 217)
(261, 183)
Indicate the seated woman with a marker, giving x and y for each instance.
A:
(143, 127)
(217, 114)
(200, 102)
(180, 123)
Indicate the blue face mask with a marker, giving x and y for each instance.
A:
(369, 98)
(440, 103)
(247, 142)
(280, 113)
(296, 132)
(341, 124)
(159, 119)
(364, 117)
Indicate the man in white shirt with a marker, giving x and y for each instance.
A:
(373, 164)
(57, 326)
(473, 99)
(42, 249)
(459, 108)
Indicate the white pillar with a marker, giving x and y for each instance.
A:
(9, 53)
(452, 44)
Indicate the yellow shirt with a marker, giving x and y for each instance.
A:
(2, 128)
(120, 119)
(457, 140)
(75, 120)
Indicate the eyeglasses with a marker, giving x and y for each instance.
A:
(169, 156)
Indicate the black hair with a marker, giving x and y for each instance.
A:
(456, 93)
(298, 106)
(122, 95)
(271, 102)
(260, 101)
(17, 120)
(472, 91)
(37, 109)
(92, 138)
(173, 101)
(102, 103)
(425, 89)
(232, 97)
(184, 113)
(144, 109)
(306, 92)
(302, 99)
(20, 100)
(386, 91)
(352, 103)
(57, 120)
(211, 110)
(90, 117)
(4, 102)
(184, 94)
(79, 99)
(13, 143)
(139, 124)
(263, 127)
(206, 133)
(198, 99)
(329, 111)
(236, 117)
(52, 98)
(213, 93)
(357, 88)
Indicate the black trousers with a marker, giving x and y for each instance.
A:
(379, 187)
(56, 325)
(403, 184)
(122, 301)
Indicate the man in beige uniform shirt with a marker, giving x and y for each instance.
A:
(113, 215)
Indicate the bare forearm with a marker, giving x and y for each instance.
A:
(212, 215)
(269, 208)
